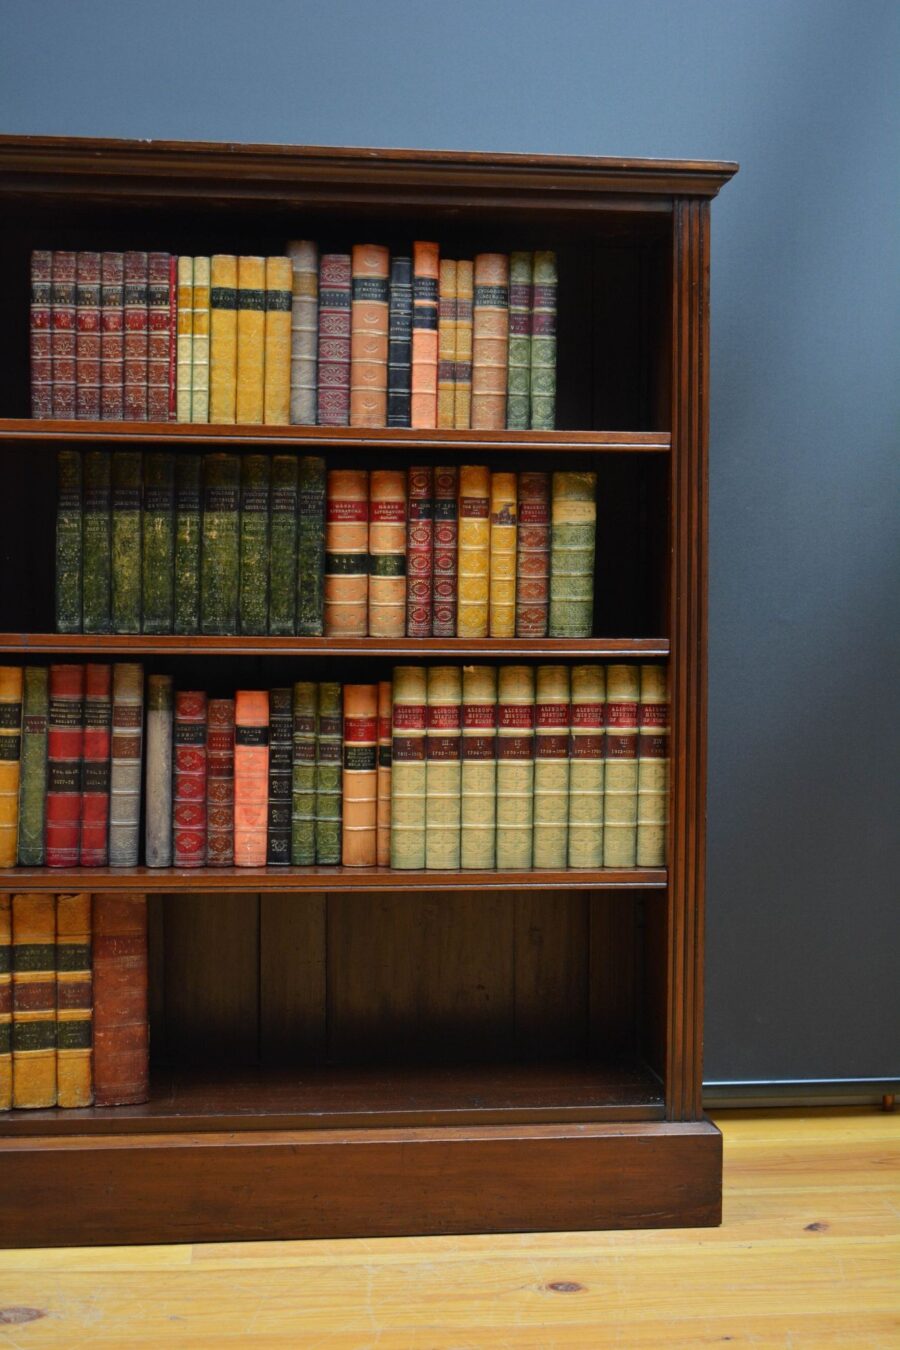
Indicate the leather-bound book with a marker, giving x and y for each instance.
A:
(121, 1026)
(94, 846)
(40, 333)
(400, 343)
(220, 782)
(62, 333)
(369, 336)
(279, 302)
(478, 770)
(136, 344)
(446, 375)
(387, 553)
(383, 818)
(426, 272)
(347, 553)
(311, 547)
(251, 340)
(126, 764)
(278, 830)
(490, 340)
(360, 787)
(11, 688)
(158, 824)
(187, 543)
(251, 777)
(334, 340)
(112, 337)
(533, 554)
(87, 336)
(283, 505)
(623, 692)
(502, 614)
(551, 766)
(304, 259)
(572, 542)
(189, 790)
(200, 342)
(329, 773)
(653, 768)
(74, 1001)
(97, 542)
(5, 1002)
(518, 396)
(184, 335)
(125, 579)
(253, 604)
(159, 336)
(446, 542)
(65, 746)
(515, 766)
(173, 336)
(586, 771)
(33, 1001)
(158, 543)
(33, 780)
(219, 544)
(303, 774)
(223, 338)
(474, 556)
(408, 767)
(420, 551)
(442, 778)
(69, 533)
(543, 342)
(462, 380)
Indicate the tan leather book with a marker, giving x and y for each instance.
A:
(653, 767)
(515, 766)
(369, 335)
(447, 301)
(277, 388)
(408, 769)
(586, 772)
(34, 1001)
(623, 692)
(478, 822)
(11, 683)
(360, 785)
(442, 807)
(346, 586)
(5, 1002)
(551, 766)
(383, 840)
(251, 340)
(426, 266)
(251, 777)
(462, 392)
(304, 259)
(474, 550)
(502, 614)
(74, 1001)
(184, 333)
(387, 553)
(533, 554)
(200, 342)
(490, 341)
(223, 281)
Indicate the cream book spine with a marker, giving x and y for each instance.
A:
(551, 766)
(200, 342)
(442, 807)
(623, 692)
(586, 773)
(478, 770)
(408, 767)
(184, 333)
(515, 767)
(653, 767)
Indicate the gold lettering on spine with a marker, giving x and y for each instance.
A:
(620, 798)
(442, 810)
(478, 841)
(551, 767)
(588, 693)
(408, 768)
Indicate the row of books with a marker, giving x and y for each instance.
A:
(442, 767)
(358, 339)
(220, 543)
(73, 1001)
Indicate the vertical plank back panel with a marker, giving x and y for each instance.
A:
(614, 975)
(551, 974)
(291, 979)
(212, 978)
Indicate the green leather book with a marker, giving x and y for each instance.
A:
(303, 799)
(572, 539)
(96, 547)
(33, 780)
(219, 544)
(551, 766)
(187, 543)
(283, 546)
(253, 603)
(126, 541)
(329, 772)
(518, 386)
(68, 541)
(158, 551)
(543, 342)
(311, 547)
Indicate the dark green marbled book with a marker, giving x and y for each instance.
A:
(158, 584)
(329, 773)
(303, 799)
(311, 547)
(283, 545)
(187, 544)
(33, 780)
(68, 541)
(219, 544)
(253, 606)
(96, 547)
(126, 541)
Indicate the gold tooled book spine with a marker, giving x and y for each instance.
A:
(10, 761)
(515, 766)
(653, 767)
(490, 341)
(369, 336)
(623, 691)
(572, 541)
(383, 836)
(408, 767)
(462, 397)
(34, 1001)
(74, 1001)
(304, 261)
(424, 383)
(551, 766)
(360, 777)
(447, 305)
(251, 340)
(5, 1002)
(277, 389)
(387, 553)
(478, 841)
(442, 808)
(346, 586)
(586, 772)
(200, 342)
(184, 336)
(223, 282)
(502, 620)
(474, 550)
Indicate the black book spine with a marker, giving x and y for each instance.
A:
(281, 729)
(400, 343)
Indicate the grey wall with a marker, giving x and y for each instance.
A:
(803, 919)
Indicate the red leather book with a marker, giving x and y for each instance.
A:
(95, 766)
(87, 336)
(189, 794)
(40, 334)
(134, 371)
(446, 531)
(121, 1031)
(251, 777)
(173, 338)
(158, 337)
(533, 555)
(112, 336)
(419, 551)
(334, 340)
(65, 747)
(220, 782)
(62, 343)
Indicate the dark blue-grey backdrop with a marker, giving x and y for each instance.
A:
(803, 917)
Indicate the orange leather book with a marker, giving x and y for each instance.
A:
(74, 1001)
(34, 1000)
(447, 303)
(502, 621)
(277, 393)
(11, 760)
(490, 341)
(462, 390)
(369, 335)
(360, 816)
(5, 1002)
(426, 268)
(383, 836)
(387, 553)
(223, 282)
(251, 777)
(346, 586)
(251, 339)
(121, 1030)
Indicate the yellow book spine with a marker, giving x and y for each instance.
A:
(251, 340)
(223, 280)
(10, 761)
(5, 1002)
(34, 1001)
(551, 766)
(462, 394)
(623, 692)
(442, 806)
(74, 1001)
(447, 304)
(184, 332)
(200, 342)
(474, 550)
(277, 391)
(408, 767)
(478, 824)
(653, 768)
(503, 555)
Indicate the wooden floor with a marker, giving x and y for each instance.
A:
(808, 1255)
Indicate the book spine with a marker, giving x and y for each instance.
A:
(369, 336)
(502, 613)
(334, 340)
(279, 825)
(94, 847)
(33, 1001)
(420, 552)
(360, 786)
(572, 542)
(515, 766)
(189, 790)
(304, 258)
(543, 342)
(586, 773)
(87, 337)
(408, 767)
(74, 1001)
(125, 578)
(200, 342)
(311, 547)
(223, 343)
(533, 554)
(112, 337)
(551, 766)
(69, 530)
(303, 774)
(126, 762)
(65, 745)
(187, 543)
(462, 392)
(474, 557)
(446, 374)
(158, 543)
(283, 545)
(400, 343)
(160, 735)
(442, 777)
(121, 1029)
(620, 793)
(136, 344)
(159, 336)
(251, 777)
(219, 546)
(387, 553)
(40, 336)
(11, 688)
(426, 272)
(347, 553)
(329, 773)
(6, 1084)
(446, 542)
(383, 814)
(253, 604)
(184, 338)
(478, 770)
(653, 768)
(490, 340)
(279, 301)
(220, 782)
(173, 337)
(518, 396)
(62, 333)
(97, 542)
(33, 781)
(251, 341)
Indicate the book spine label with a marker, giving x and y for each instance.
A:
(159, 336)
(87, 337)
(518, 398)
(478, 771)
(408, 767)
(420, 552)
(446, 543)
(346, 588)
(474, 551)
(189, 792)
(303, 774)
(360, 786)
(5, 1002)
(220, 782)
(136, 344)
(223, 312)
(33, 1001)
(387, 553)
(251, 777)
(551, 766)
(127, 757)
(112, 336)
(62, 333)
(621, 779)
(426, 277)
(543, 342)
(279, 825)
(121, 1030)
(462, 391)
(158, 544)
(442, 779)
(383, 819)
(490, 339)
(187, 543)
(253, 605)
(125, 576)
(74, 1001)
(311, 547)
(11, 689)
(573, 537)
(515, 766)
(334, 340)
(33, 781)
(279, 306)
(160, 714)
(94, 848)
(69, 528)
(65, 746)
(304, 259)
(40, 333)
(97, 542)
(329, 773)
(251, 341)
(184, 336)
(369, 336)
(283, 544)
(200, 342)
(219, 551)
(653, 768)
(446, 374)
(533, 555)
(502, 613)
(400, 343)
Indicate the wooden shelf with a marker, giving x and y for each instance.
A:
(111, 644)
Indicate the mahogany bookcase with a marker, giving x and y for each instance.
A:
(349, 1052)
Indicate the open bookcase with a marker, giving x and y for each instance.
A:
(346, 1052)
